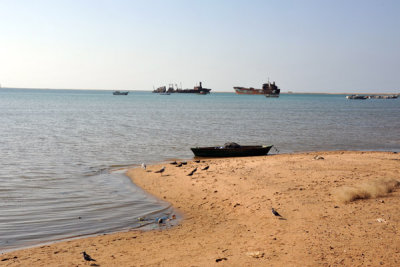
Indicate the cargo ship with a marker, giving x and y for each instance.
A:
(196, 90)
(268, 90)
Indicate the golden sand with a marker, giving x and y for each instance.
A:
(338, 209)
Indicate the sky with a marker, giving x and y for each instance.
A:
(328, 46)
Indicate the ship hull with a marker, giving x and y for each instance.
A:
(252, 91)
(202, 91)
(248, 91)
(196, 90)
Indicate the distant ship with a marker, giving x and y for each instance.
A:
(268, 90)
(162, 90)
(120, 93)
(196, 90)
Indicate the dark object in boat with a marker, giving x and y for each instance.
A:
(229, 151)
(120, 93)
(231, 145)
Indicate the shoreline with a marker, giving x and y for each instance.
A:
(217, 92)
(227, 218)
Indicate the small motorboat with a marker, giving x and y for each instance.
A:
(231, 150)
(120, 93)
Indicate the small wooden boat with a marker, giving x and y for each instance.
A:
(231, 151)
(120, 93)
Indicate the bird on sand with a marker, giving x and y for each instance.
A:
(275, 212)
(179, 165)
(206, 168)
(144, 166)
(197, 161)
(193, 171)
(173, 163)
(161, 170)
(87, 257)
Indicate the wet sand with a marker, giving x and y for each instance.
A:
(227, 218)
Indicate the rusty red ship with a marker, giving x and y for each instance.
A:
(268, 90)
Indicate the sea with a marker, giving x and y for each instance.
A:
(64, 152)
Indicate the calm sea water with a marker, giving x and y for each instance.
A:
(60, 148)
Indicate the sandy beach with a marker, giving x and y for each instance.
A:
(339, 208)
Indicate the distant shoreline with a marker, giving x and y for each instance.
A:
(224, 92)
(304, 93)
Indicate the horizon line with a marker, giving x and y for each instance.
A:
(287, 92)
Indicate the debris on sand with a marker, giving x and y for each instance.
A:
(255, 254)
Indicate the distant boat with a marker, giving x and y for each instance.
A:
(268, 90)
(231, 150)
(360, 97)
(120, 93)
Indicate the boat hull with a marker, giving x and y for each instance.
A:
(358, 97)
(243, 151)
(252, 91)
(202, 91)
(120, 93)
(270, 95)
(248, 91)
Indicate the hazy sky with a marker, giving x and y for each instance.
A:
(308, 46)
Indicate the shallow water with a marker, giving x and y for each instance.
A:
(60, 147)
